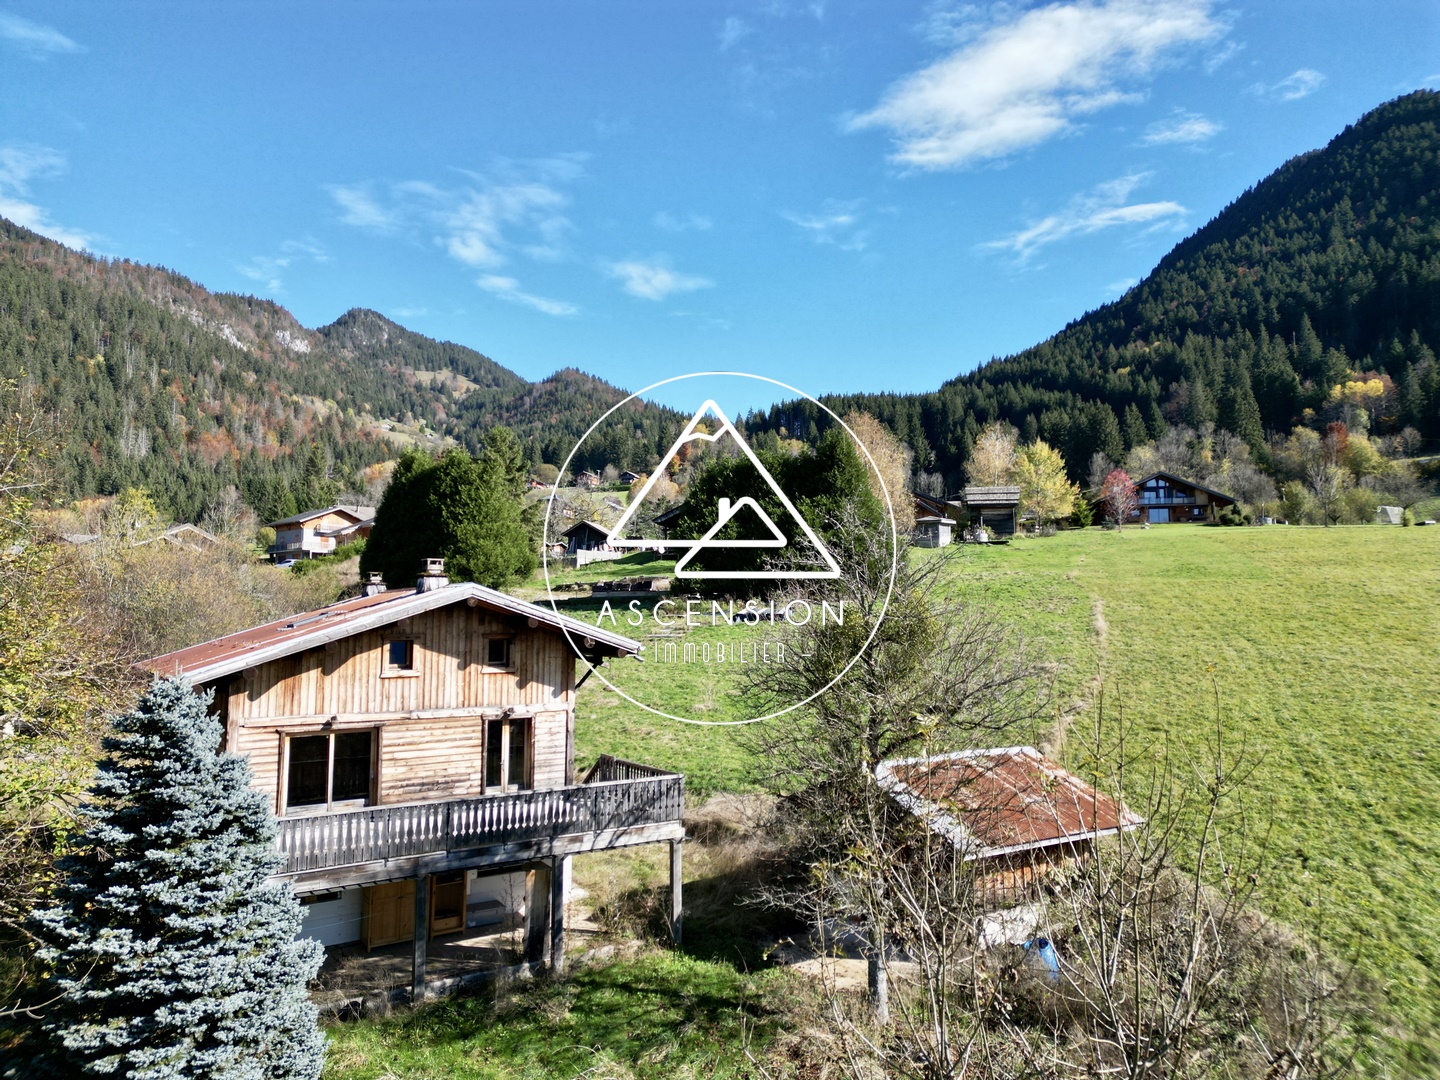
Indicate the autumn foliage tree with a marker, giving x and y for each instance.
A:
(1118, 496)
(1045, 490)
(993, 461)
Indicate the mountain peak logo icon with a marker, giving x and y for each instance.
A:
(712, 415)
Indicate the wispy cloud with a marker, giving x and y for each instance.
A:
(679, 223)
(1028, 78)
(35, 40)
(652, 279)
(1106, 206)
(733, 30)
(19, 165)
(507, 288)
(269, 270)
(1181, 127)
(838, 223)
(1222, 56)
(1301, 84)
(1122, 286)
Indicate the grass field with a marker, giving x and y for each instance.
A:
(1325, 646)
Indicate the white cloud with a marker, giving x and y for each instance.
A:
(1105, 206)
(516, 208)
(507, 288)
(35, 40)
(1122, 286)
(732, 30)
(1222, 56)
(1302, 83)
(681, 223)
(1181, 127)
(19, 165)
(269, 270)
(837, 223)
(653, 279)
(1027, 79)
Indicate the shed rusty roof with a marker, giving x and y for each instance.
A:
(309, 629)
(995, 802)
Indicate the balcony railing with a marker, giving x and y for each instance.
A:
(374, 833)
(1151, 499)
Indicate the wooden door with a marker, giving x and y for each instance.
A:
(388, 914)
(447, 903)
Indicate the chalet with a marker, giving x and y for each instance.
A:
(630, 477)
(1016, 814)
(586, 536)
(993, 509)
(930, 506)
(667, 520)
(1163, 496)
(588, 480)
(418, 748)
(320, 532)
(933, 532)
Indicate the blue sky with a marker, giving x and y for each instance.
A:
(845, 196)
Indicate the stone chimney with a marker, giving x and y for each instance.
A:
(433, 576)
(374, 584)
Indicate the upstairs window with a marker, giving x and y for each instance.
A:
(399, 656)
(499, 653)
(331, 771)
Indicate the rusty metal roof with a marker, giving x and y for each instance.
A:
(285, 637)
(995, 802)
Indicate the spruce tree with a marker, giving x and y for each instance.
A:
(173, 953)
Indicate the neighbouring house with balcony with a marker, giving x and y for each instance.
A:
(1164, 497)
(319, 532)
(418, 747)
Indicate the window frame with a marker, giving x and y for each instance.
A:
(509, 664)
(508, 726)
(331, 804)
(389, 670)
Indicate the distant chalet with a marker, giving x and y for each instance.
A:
(319, 532)
(1164, 497)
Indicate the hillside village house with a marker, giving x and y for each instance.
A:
(320, 532)
(1163, 497)
(418, 747)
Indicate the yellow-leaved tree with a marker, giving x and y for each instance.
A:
(992, 460)
(892, 458)
(1045, 490)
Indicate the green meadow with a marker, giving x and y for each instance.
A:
(1324, 647)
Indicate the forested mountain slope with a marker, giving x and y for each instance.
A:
(1329, 265)
(157, 382)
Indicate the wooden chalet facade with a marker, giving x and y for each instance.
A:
(1164, 497)
(418, 747)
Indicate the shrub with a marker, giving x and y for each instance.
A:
(1407, 517)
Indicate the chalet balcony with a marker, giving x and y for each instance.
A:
(1149, 499)
(618, 803)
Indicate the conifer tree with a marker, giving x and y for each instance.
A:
(174, 953)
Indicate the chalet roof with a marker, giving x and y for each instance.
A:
(996, 802)
(1003, 495)
(579, 525)
(933, 519)
(297, 633)
(673, 514)
(184, 535)
(359, 513)
(1181, 480)
(931, 504)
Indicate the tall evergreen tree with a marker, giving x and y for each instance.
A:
(176, 956)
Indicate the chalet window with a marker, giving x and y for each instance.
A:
(329, 771)
(499, 653)
(399, 656)
(508, 759)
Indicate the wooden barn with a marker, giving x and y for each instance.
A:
(418, 748)
(1015, 813)
(994, 509)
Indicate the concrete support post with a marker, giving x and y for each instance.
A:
(557, 914)
(422, 935)
(676, 900)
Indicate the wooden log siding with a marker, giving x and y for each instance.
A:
(348, 676)
(325, 841)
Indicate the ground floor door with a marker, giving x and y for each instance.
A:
(388, 914)
(1159, 515)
